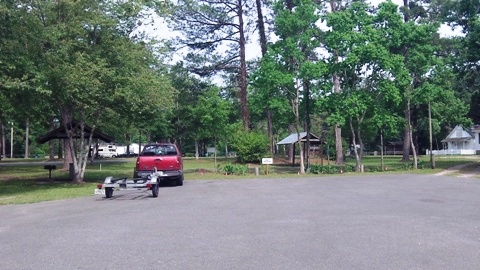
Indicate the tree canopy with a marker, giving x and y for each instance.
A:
(347, 68)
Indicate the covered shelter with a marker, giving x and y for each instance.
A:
(75, 129)
(292, 139)
(60, 133)
(394, 148)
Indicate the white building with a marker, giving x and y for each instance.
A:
(460, 142)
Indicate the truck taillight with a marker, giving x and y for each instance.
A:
(99, 186)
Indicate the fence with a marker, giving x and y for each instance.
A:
(452, 152)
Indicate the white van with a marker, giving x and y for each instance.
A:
(108, 151)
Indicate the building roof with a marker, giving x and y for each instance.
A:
(59, 133)
(458, 134)
(293, 138)
(395, 143)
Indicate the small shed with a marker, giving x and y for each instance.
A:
(292, 139)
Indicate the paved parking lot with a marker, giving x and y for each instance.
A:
(365, 222)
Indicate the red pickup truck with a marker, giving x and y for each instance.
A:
(164, 157)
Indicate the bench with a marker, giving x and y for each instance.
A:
(50, 168)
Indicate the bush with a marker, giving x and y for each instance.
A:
(237, 169)
(319, 169)
(330, 169)
(409, 166)
(420, 164)
(348, 168)
(373, 169)
(251, 146)
(229, 168)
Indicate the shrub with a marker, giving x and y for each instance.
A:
(420, 164)
(237, 169)
(319, 169)
(406, 166)
(373, 169)
(229, 168)
(348, 168)
(251, 146)
(241, 169)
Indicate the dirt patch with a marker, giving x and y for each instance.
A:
(202, 171)
(463, 170)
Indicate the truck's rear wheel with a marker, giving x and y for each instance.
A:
(108, 192)
(180, 181)
(155, 190)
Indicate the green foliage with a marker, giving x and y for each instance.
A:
(237, 169)
(229, 168)
(410, 165)
(250, 146)
(330, 169)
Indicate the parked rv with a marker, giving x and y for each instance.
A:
(106, 151)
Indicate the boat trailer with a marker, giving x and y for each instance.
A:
(151, 182)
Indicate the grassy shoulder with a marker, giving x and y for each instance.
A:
(30, 183)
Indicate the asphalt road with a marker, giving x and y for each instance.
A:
(365, 222)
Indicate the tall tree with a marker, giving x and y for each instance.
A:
(215, 34)
(367, 67)
(464, 51)
(292, 63)
(263, 45)
(88, 63)
(418, 50)
(335, 6)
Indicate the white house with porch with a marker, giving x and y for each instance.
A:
(460, 142)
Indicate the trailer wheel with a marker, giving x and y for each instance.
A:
(155, 190)
(108, 192)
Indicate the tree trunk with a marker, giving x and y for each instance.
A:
(261, 27)
(307, 120)
(359, 133)
(411, 139)
(339, 159)
(51, 143)
(382, 162)
(270, 131)
(291, 147)
(406, 135)
(196, 150)
(27, 131)
(3, 139)
(407, 132)
(243, 70)
(295, 104)
(358, 162)
(68, 154)
(406, 14)
(430, 135)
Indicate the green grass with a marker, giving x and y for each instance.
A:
(30, 184)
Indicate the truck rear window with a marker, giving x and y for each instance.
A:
(159, 150)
